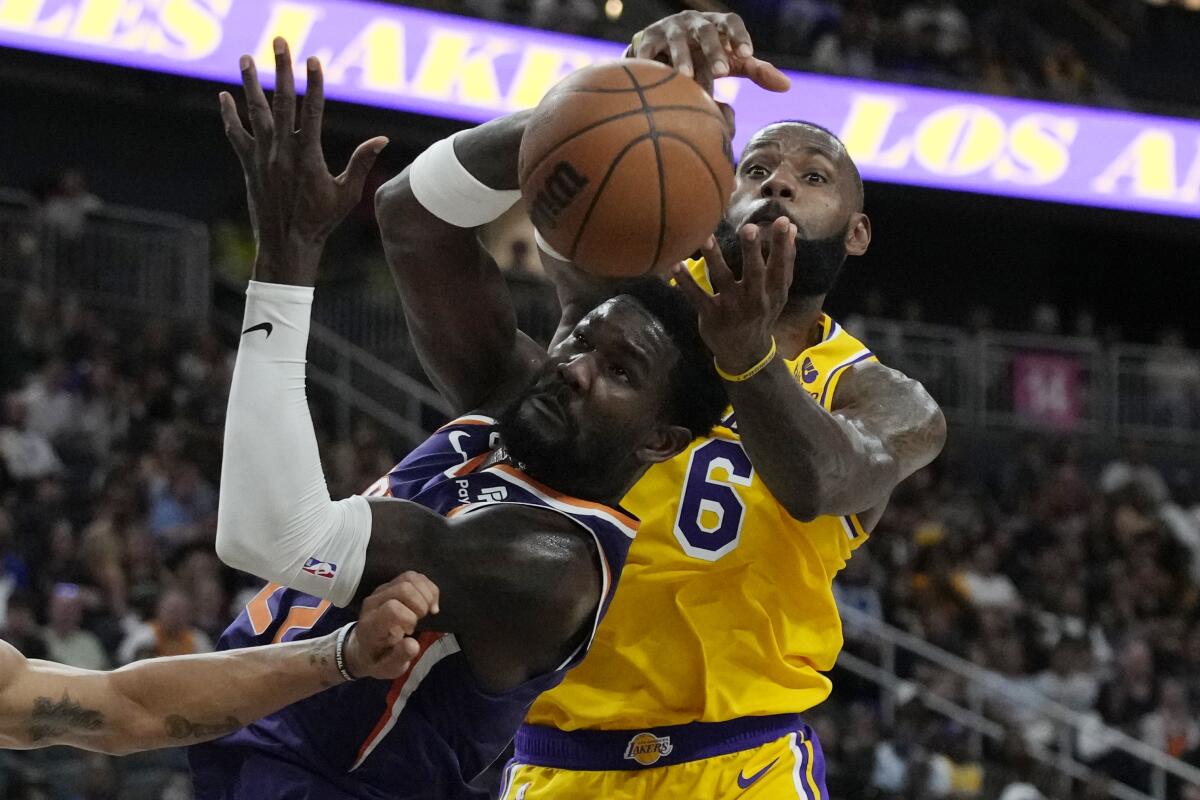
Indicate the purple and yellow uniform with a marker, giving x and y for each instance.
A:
(428, 733)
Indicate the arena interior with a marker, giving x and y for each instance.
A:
(1025, 621)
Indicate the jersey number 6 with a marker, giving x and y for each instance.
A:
(709, 524)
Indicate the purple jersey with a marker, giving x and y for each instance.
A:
(428, 733)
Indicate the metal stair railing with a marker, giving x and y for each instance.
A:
(357, 381)
(986, 686)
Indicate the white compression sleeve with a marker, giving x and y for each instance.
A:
(275, 518)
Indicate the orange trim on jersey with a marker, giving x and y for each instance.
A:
(258, 610)
(565, 499)
(425, 640)
(467, 420)
(454, 512)
(469, 466)
(302, 618)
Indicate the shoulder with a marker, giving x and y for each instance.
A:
(893, 406)
(869, 381)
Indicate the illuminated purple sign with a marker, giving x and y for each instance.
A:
(466, 69)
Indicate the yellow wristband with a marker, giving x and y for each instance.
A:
(750, 373)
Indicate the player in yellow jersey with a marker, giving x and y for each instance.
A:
(723, 626)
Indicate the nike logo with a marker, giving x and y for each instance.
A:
(262, 326)
(745, 783)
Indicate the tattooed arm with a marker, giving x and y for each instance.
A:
(169, 702)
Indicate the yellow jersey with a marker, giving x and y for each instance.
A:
(725, 608)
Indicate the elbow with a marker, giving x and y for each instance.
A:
(392, 202)
(232, 549)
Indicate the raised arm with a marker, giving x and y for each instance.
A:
(169, 702)
(457, 305)
(703, 45)
(520, 585)
(884, 425)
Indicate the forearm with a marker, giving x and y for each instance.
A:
(275, 518)
(164, 702)
(814, 462)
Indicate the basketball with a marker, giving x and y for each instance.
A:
(626, 167)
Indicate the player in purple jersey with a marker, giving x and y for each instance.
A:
(525, 571)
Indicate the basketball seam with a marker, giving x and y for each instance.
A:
(662, 179)
(600, 190)
(712, 174)
(655, 85)
(614, 118)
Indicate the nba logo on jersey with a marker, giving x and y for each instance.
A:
(322, 569)
(647, 749)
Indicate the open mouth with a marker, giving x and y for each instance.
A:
(547, 406)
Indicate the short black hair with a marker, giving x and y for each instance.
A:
(859, 191)
(697, 396)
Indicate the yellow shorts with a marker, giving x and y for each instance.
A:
(689, 762)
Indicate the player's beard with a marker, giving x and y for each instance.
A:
(818, 261)
(553, 454)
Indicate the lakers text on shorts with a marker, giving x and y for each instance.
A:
(754, 758)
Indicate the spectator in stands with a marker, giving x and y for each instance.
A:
(983, 584)
(27, 454)
(69, 205)
(169, 633)
(20, 626)
(1071, 678)
(1065, 74)
(943, 31)
(52, 407)
(568, 16)
(1172, 726)
(1134, 470)
(849, 48)
(14, 575)
(1174, 376)
(182, 506)
(803, 22)
(66, 640)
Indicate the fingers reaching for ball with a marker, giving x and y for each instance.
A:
(707, 45)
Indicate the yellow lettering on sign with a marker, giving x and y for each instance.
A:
(1190, 191)
(292, 21)
(540, 68)
(190, 28)
(1039, 147)
(97, 20)
(960, 140)
(866, 129)
(22, 15)
(378, 52)
(451, 69)
(1148, 163)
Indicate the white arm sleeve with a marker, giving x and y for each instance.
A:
(275, 518)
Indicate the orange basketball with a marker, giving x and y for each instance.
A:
(626, 167)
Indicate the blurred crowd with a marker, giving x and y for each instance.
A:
(1072, 581)
(1090, 51)
(110, 445)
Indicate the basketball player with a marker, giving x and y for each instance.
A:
(726, 622)
(525, 570)
(169, 702)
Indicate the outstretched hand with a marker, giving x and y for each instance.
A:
(737, 319)
(295, 203)
(382, 645)
(701, 44)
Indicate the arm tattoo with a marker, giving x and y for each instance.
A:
(50, 719)
(182, 728)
